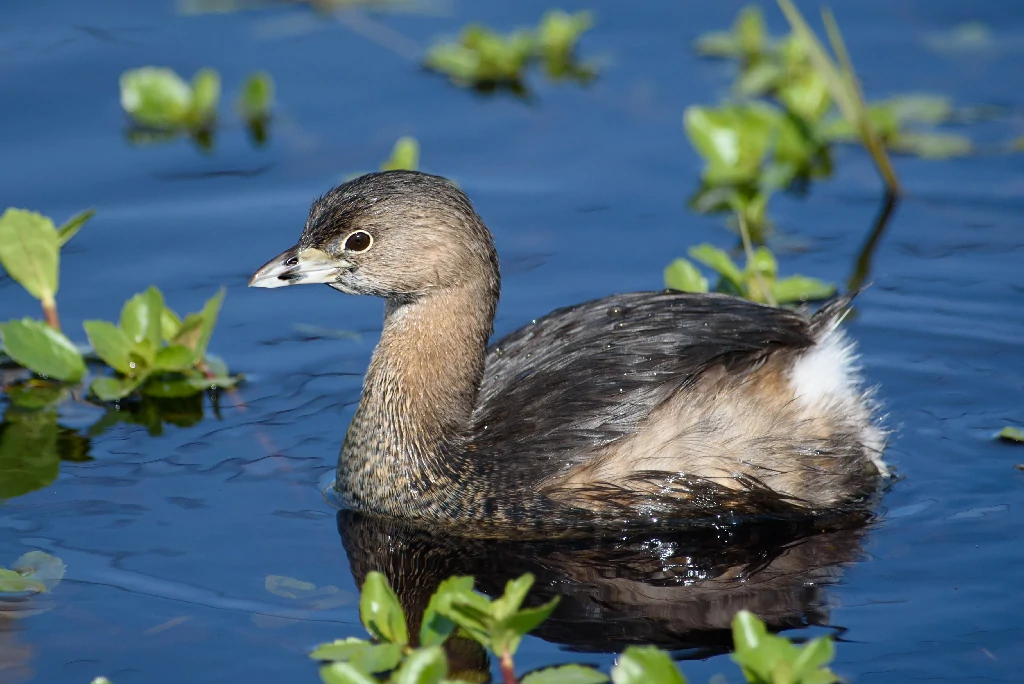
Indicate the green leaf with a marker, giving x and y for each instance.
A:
(29, 251)
(381, 612)
(112, 389)
(257, 96)
(41, 349)
(42, 567)
(747, 631)
(682, 275)
(920, 108)
(932, 145)
(189, 331)
(423, 666)
(814, 655)
(717, 44)
(344, 673)
(719, 261)
(174, 358)
(559, 32)
(170, 324)
(733, 140)
(799, 288)
(73, 225)
(567, 674)
(12, 582)
(515, 593)
(215, 382)
(29, 458)
(764, 262)
(807, 96)
(113, 346)
(339, 649)
(522, 623)
(471, 612)
(170, 388)
(646, 665)
(750, 31)
(205, 95)
(198, 338)
(363, 655)
(141, 317)
(156, 97)
(436, 626)
(1011, 434)
(758, 79)
(405, 155)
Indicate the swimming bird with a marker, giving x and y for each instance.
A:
(630, 409)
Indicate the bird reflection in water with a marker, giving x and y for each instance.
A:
(678, 589)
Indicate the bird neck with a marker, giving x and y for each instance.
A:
(418, 399)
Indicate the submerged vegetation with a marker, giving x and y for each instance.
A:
(457, 612)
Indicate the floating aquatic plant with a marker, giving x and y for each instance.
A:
(150, 345)
(457, 611)
(158, 98)
(162, 105)
(484, 58)
(405, 155)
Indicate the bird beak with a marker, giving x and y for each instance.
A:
(299, 266)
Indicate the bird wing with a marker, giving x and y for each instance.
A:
(584, 376)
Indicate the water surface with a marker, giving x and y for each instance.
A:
(170, 539)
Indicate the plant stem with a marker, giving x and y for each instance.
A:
(749, 249)
(508, 669)
(843, 86)
(50, 312)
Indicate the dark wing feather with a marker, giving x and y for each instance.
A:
(584, 376)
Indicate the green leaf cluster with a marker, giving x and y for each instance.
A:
(457, 611)
(151, 342)
(796, 72)
(498, 625)
(482, 56)
(894, 120)
(158, 98)
(163, 105)
(758, 281)
(770, 659)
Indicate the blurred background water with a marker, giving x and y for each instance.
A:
(169, 540)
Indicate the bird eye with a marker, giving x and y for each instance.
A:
(358, 241)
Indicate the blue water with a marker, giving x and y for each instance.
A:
(169, 540)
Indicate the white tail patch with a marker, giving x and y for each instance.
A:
(826, 377)
(827, 371)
